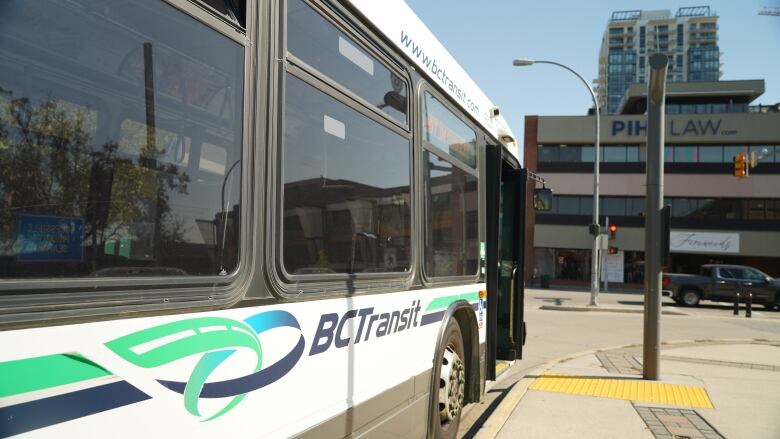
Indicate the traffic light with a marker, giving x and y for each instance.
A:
(612, 231)
(612, 250)
(741, 165)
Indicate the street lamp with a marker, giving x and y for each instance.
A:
(595, 229)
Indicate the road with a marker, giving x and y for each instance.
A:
(555, 334)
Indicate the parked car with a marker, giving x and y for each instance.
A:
(720, 283)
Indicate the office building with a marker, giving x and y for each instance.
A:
(715, 216)
(689, 38)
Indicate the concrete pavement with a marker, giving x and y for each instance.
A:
(735, 360)
(745, 396)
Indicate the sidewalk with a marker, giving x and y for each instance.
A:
(709, 389)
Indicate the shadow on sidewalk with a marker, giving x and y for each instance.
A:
(488, 411)
(555, 300)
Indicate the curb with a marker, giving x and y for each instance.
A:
(492, 427)
(667, 311)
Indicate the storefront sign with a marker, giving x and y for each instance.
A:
(700, 242)
(614, 268)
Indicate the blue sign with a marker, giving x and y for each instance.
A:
(45, 238)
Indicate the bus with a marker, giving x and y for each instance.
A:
(274, 218)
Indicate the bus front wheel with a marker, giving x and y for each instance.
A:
(452, 382)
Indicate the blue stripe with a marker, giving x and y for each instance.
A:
(28, 416)
(248, 383)
(433, 317)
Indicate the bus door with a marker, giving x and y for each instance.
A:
(505, 201)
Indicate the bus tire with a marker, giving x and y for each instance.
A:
(450, 397)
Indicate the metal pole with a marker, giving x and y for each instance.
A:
(594, 259)
(594, 270)
(656, 90)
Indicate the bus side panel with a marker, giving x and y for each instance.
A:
(272, 371)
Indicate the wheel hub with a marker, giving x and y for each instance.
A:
(452, 380)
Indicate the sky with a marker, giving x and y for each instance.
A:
(485, 36)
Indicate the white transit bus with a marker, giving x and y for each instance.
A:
(229, 218)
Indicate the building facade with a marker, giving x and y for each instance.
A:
(715, 216)
(689, 38)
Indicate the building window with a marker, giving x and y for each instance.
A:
(685, 154)
(680, 34)
(548, 154)
(730, 151)
(614, 154)
(588, 154)
(710, 154)
(562, 264)
(570, 154)
(567, 205)
(613, 206)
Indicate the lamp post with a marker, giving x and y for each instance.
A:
(594, 229)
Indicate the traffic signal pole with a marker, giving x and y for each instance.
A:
(656, 90)
(604, 264)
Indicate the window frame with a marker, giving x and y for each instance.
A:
(422, 196)
(312, 286)
(23, 301)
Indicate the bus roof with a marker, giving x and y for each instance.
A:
(396, 20)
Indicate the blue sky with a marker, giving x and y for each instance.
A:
(485, 36)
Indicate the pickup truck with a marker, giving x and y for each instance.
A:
(720, 283)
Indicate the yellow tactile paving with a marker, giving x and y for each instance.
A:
(618, 388)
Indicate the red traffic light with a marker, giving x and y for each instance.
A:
(612, 231)
(612, 250)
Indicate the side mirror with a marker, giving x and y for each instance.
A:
(543, 199)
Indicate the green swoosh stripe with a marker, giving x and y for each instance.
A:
(444, 302)
(37, 373)
(193, 341)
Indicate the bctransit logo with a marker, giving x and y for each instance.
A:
(215, 339)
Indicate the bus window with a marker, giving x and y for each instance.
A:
(346, 196)
(444, 130)
(320, 44)
(100, 112)
(451, 205)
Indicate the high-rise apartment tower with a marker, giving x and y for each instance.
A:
(689, 38)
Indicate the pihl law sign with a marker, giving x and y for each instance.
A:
(690, 127)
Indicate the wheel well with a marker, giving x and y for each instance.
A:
(470, 332)
(463, 314)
